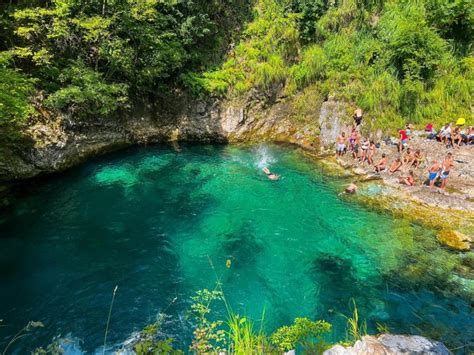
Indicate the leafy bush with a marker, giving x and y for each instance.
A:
(303, 332)
(410, 45)
(209, 337)
(15, 92)
(86, 94)
(150, 343)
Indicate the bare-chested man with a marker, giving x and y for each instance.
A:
(355, 151)
(446, 166)
(382, 164)
(409, 157)
(358, 116)
(396, 165)
(417, 158)
(341, 144)
(407, 180)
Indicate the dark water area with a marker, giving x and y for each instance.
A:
(161, 225)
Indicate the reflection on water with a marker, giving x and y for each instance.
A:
(153, 220)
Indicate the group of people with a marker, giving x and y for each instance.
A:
(452, 135)
(363, 150)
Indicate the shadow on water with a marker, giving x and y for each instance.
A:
(242, 247)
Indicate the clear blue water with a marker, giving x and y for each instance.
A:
(150, 219)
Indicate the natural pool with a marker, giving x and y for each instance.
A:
(149, 220)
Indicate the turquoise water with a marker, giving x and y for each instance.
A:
(152, 220)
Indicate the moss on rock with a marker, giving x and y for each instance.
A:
(455, 240)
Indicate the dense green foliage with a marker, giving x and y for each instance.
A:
(304, 331)
(15, 91)
(91, 58)
(398, 60)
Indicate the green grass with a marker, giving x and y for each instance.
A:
(387, 58)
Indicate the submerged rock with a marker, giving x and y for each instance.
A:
(388, 344)
(455, 240)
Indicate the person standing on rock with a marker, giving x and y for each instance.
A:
(445, 170)
(403, 140)
(358, 116)
(433, 172)
(364, 150)
(355, 151)
(341, 144)
(370, 156)
(352, 139)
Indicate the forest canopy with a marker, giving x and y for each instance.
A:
(399, 60)
(92, 57)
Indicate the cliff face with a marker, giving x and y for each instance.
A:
(59, 144)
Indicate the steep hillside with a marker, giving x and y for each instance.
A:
(80, 77)
(398, 60)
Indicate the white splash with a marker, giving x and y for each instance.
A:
(263, 157)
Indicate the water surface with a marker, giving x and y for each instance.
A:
(153, 220)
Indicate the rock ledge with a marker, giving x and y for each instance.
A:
(388, 344)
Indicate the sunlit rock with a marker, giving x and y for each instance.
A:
(455, 239)
(388, 344)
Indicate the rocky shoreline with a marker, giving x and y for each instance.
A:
(56, 145)
(62, 143)
(389, 344)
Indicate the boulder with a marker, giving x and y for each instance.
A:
(332, 119)
(388, 344)
(455, 240)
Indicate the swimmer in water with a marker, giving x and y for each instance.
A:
(351, 189)
(270, 175)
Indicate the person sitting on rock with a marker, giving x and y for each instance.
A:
(270, 175)
(382, 164)
(456, 138)
(433, 172)
(417, 158)
(407, 180)
(396, 165)
(444, 134)
(409, 157)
